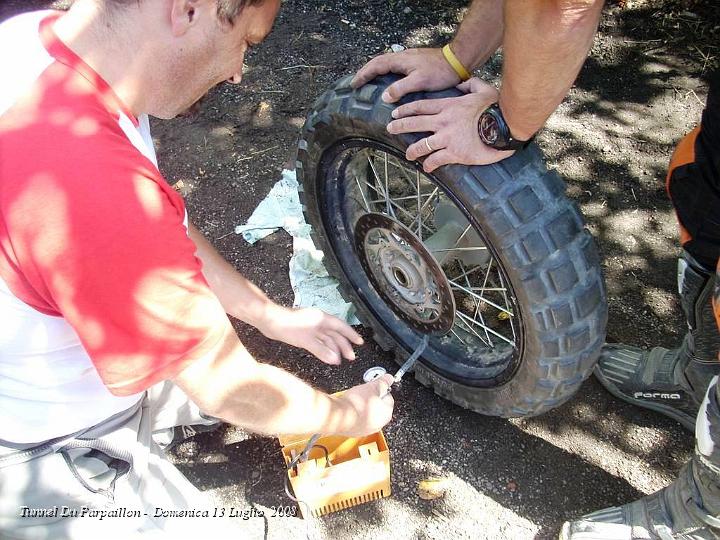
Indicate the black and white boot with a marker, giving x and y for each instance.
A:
(670, 381)
(688, 509)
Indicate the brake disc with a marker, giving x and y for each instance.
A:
(405, 274)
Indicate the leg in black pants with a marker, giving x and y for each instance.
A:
(681, 383)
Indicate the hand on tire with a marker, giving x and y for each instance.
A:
(369, 407)
(424, 70)
(325, 336)
(453, 123)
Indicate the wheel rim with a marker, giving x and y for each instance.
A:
(367, 187)
(405, 274)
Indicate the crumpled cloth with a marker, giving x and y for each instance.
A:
(311, 283)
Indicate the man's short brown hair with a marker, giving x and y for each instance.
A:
(227, 10)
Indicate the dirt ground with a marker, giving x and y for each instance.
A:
(642, 88)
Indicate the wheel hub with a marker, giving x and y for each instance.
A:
(405, 274)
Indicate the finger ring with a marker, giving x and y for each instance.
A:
(427, 143)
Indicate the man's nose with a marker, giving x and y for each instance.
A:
(235, 79)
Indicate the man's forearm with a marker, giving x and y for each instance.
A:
(306, 411)
(239, 297)
(480, 33)
(269, 400)
(227, 382)
(545, 44)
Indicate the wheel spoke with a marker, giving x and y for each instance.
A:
(427, 202)
(403, 174)
(454, 333)
(390, 203)
(419, 216)
(477, 304)
(380, 190)
(461, 237)
(460, 322)
(394, 201)
(493, 332)
(487, 289)
(475, 269)
(362, 194)
(456, 285)
(476, 248)
(485, 280)
(407, 198)
(387, 190)
(401, 209)
(512, 326)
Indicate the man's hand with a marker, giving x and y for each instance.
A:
(424, 70)
(371, 404)
(323, 335)
(454, 124)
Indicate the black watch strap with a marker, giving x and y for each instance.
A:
(494, 131)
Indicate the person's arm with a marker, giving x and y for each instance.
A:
(325, 336)
(239, 297)
(226, 382)
(480, 33)
(544, 45)
(426, 69)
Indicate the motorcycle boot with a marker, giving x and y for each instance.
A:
(688, 509)
(670, 381)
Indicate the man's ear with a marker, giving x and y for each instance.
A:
(183, 15)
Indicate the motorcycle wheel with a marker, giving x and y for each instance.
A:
(493, 262)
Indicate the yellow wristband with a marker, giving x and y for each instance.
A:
(456, 64)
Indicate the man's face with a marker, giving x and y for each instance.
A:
(215, 53)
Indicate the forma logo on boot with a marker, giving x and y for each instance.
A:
(656, 395)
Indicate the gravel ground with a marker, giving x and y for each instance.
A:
(640, 91)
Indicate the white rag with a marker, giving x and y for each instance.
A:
(311, 283)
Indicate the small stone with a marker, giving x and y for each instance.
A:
(407, 10)
(396, 47)
(432, 488)
(187, 449)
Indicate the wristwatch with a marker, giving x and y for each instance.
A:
(494, 131)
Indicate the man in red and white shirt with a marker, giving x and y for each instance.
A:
(112, 307)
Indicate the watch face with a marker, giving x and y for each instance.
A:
(488, 128)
